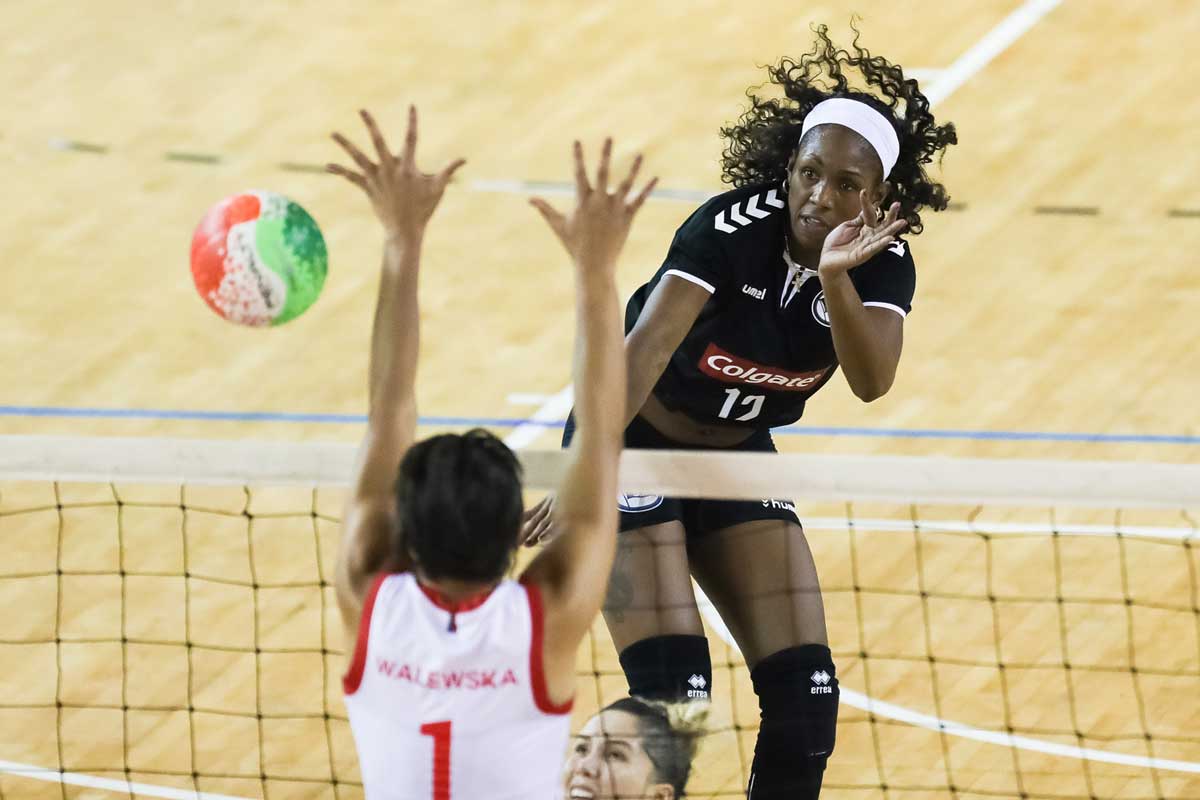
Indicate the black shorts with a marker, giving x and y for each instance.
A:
(698, 516)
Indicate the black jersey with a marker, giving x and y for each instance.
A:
(762, 344)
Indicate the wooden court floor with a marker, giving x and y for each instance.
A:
(1058, 296)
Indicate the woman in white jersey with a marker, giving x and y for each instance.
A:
(460, 679)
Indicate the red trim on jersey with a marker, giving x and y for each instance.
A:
(537, 671)
(455, 606)
(353, 676)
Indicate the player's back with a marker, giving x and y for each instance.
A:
(451, 704)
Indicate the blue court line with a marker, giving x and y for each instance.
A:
(508, 422)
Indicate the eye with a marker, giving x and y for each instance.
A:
(808, 172)
(616, 755)
(581, 748)
(847, 186)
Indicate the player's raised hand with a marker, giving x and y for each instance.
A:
(856, 240)
(596, 229)
(403, 196)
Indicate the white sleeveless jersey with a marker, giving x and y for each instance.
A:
(453, 705)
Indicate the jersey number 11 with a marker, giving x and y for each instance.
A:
(755, 401)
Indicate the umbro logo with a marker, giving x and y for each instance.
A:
(757, 294)
(697, 691)
(738, 220)
(821, 679)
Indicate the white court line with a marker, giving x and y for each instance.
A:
(526, 399)
(994, 42)
(968, 64)
(923, 74)
(553, 410)
(124, 787)
(901, 714)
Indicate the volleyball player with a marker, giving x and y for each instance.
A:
(765, 291)
(629, 749)
(460, 679)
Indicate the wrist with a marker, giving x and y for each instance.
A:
(827, 273)
(396, 238)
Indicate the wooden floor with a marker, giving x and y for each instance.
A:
(1026, 319)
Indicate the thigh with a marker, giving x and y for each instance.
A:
(650, 588)
(761, 577)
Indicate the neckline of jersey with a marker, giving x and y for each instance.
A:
(454, 606)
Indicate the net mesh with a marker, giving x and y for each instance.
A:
(183, 640)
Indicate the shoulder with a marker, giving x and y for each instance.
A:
(888, 278)
(734, 215)
(897, 256)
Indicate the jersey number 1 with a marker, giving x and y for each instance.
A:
(440, 731)
(755, 401)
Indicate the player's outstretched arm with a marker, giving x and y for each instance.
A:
(404, 199)
(572, 571)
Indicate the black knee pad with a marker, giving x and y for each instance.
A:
(670, 668)
(798, 695)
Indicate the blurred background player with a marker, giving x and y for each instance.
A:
(765, 291)
(460, 680)
(629, 749)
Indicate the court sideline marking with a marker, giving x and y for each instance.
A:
(971, 62)
(978, 56)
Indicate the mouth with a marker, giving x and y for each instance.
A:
(812, 223)
(581, 793)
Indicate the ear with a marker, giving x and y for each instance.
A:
(661, 791)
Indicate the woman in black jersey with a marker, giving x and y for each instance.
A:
(765, 291)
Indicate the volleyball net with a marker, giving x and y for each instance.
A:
(1001, 628)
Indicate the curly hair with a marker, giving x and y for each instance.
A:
(760, 144)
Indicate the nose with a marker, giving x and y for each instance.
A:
(587, 764)
(822, 194)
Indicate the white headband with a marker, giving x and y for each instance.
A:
(863, 120)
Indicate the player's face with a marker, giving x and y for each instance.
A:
(606, 761)
(831, 166)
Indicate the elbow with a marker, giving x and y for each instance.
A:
(872, 390)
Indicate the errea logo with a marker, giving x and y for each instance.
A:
(739, 220)
(821, 680)
(697, 683)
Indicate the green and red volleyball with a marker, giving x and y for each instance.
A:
(258, 259)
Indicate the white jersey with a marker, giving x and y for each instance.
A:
(450, 702)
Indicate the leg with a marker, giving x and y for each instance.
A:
(761, 577)
(651, 613)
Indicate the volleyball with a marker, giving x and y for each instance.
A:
(258, 259)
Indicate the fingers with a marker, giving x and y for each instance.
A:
(386, 159)
(602, 172)
(582, 188)
(446, 174)
(554, 219)
(410, 138)
(363, 162)
(537, 522)
(348, 174)
(642, 195)
(627, 184)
